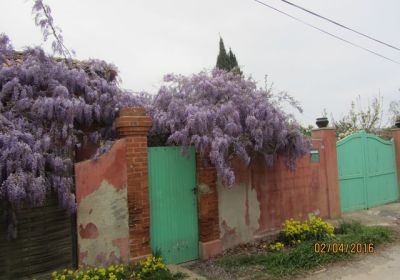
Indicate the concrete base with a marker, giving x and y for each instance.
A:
(139, 258)
(190, 275)
(210, 249)
(267, 235)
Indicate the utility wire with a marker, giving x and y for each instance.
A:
(328, 33)
(341, 25)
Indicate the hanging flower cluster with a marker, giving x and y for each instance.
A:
(45, 105)
(224, 116)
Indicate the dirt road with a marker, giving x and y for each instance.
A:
(382, 265)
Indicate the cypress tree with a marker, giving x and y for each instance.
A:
(227, 61)
(234, 66)
(232, 60)
(223, 61)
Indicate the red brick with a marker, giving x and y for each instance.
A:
(207, 203)
(133, 125)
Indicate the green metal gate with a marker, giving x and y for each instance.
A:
(173, 204)
(367, 171)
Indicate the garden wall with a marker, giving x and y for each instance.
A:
(263, 197)
(102, 208)
(114, 209)
(113, 214)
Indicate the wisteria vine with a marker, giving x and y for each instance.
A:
(44, 19)
(225, 116)
(46, 108)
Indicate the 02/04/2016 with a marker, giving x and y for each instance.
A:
(352, 248)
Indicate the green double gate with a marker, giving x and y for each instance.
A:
(173, 204)
(367, 171)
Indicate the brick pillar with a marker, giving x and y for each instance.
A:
(209, 242)
(133, 126)
(396, 139)
(329, 159)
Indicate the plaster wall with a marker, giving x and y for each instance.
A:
(102, 208)
(263, 197)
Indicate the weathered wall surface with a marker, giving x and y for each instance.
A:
(239, 214)
(263, 197)
(102, 208)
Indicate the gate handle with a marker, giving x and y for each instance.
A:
(194, 190)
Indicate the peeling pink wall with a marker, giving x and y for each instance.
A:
(263, 197)
(102, 210)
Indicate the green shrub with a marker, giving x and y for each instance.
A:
(148, 267)
(152, 268)
(349, 227)
(295, 232)
(85, 273)
(278, 246)
(354, 230)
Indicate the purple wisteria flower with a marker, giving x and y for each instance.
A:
(45, 105)
(224, 116)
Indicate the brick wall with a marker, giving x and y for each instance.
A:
(113, 197)
(210, 244)
(207, 201)
(133, 126)
(263, 197)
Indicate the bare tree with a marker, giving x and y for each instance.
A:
(360, 118)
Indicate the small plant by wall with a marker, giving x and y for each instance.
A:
(295, 232)
(150, 268)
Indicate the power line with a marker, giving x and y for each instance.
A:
(341, 25)
(328, 33)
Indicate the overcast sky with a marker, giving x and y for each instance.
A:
(147, 39)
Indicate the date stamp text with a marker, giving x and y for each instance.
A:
(352, 248)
